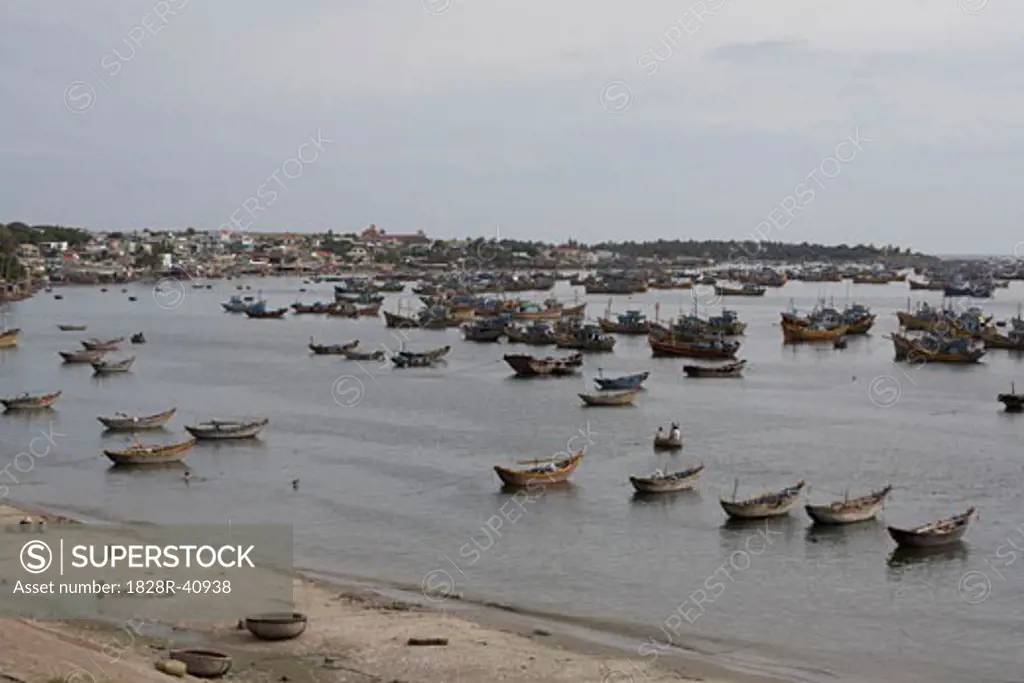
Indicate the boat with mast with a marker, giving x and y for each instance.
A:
(849, 510)
(765, 505)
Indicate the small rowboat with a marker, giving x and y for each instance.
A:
(766, 505)
(610, 398)
(101, 345)
(217, 430)
(82, 356)
(71, 328)
(27, 402)
(666, 442)
(151, 455)
(555, 470)
(121, 422)
(935, 534)
(138, 338)
(331, 349)
(106, 367)
(726, 370)
(377, 355)
(667, 482)
(849, 511)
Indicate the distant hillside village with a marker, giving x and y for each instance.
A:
(71, 255)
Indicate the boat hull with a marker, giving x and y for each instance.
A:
(908, 539)
(159, 456)
(31, 402)
(727, 370)
(829, 515)
(132, 424)
(675, 481)
(667, 443)
(622, 383)
(622, 398)
(667, 348)
(529, 366)
(516, 478)
(247, 431)
(757, 511)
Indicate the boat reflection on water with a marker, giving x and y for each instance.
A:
(841, 534)
(906, 557)
(735, 533)
(663, 499)
(164, 470)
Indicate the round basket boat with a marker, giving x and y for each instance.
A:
(203, 663)
(277, 626)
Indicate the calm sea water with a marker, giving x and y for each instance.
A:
(396, 480)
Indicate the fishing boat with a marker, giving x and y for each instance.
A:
(667, 482)
(331, 349)
(138, 338)
(140, 454)
(1013, 402)
(933, 286)
(816, 332)
(610, 398)
(106, 367)
(725, 370)
(765, 505)
(850, 510)
(223, 430)
(708, 347)
(235, 304)
(260, 311)
(934, 348)
(409, 359)
(585, 338)
(630, 322)
(1012, 341)
(973, 290)
(316, 308)
(101, 345)
(122, 422)
(938, 534)
(539, 473)
(537, 334)
(71, 328)
(377, 355)
(400, 321)
(748, 289)
(532, 366)
(28, 402)
(625, 382)
(487, 330)
(81, 357)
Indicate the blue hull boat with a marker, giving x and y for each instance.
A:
(622, 383)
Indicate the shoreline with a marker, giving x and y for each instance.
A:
(367, 625)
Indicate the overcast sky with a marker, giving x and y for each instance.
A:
(592, 119)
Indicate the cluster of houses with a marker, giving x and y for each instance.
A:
(119, 256)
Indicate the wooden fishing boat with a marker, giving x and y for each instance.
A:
(377, 355)
(484, 331)
(106, 367)
(710, 347)
(409, 359)
(400, 321)
(150, 455)
(994, 340)
(317, 308)
(266, 313)
(331, 349)
(667, 482)
(368, 311)
(811, 333)
(223, 430)
(850, 510)
(1013, 401)
(556, 470)
(28, 402)
(82, 356)
(122, 422)
(610, 398)
(726, 370)
(71, 328)
(538, 334)
(138, 338)
(532, 366)
(765, 505)
(939, 351)
(585, 338)
(624, 383)
(935, 534)
(101, 345)
(746, 290)
(631, 322)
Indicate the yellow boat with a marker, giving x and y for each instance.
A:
(809, 333)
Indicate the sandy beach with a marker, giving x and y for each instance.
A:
(354, 636)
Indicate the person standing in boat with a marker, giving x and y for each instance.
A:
(674, 433)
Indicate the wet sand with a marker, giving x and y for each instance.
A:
(354, 636)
